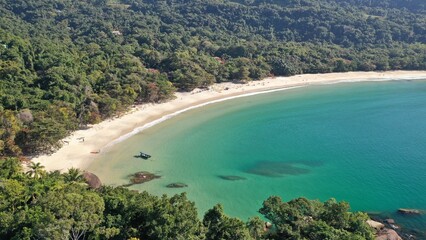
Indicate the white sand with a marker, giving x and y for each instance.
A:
(79, 154)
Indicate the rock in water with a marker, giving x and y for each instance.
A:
(390, 221)
(177, 185)
(93, 180)
(232, 178)
(388, 234)
(141, 177)
(409, 211)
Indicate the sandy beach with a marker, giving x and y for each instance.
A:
(82, 146)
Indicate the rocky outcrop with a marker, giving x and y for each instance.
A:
(392, 230)
(383, 233)
(375, 225)
(92, 180)
(388, 234)
(409, 211)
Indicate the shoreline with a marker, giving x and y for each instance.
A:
(80, 148)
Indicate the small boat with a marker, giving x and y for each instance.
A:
(144, 155)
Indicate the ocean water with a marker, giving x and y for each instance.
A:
(362, 142)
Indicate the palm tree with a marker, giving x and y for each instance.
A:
(36, 170)
(73, 175)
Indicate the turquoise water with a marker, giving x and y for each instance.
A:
(364, 143)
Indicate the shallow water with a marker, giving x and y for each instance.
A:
(364, 143)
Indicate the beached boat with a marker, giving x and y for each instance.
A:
(144, 155)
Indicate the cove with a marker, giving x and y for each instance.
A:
(362, 142)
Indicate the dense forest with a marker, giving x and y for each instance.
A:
(51, 205)
(65, 64)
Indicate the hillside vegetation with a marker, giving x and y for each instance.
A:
(42, 205)
(65, 64)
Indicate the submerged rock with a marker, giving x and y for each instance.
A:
(279, 169)
(177, 185)
(232, 178)
(409, 211)
(141, 177)
(390, 221)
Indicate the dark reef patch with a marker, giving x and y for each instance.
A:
(232, 177)
(141, 177)
(177, 185)
(279, 169)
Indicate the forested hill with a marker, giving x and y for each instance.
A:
(67, 63)
(417, 6)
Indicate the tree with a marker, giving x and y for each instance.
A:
(336, 213)
(36, 170)
(357, 225)
(125, 212)
(256, 227)
(243, 74)
(220, 226)
(10, 125)
(310, 219)
(173, 218)
(320, 230)
(285, 66)
(73, 175)
(12, 195)
(10, 168)
(12, 206)
(70, 213)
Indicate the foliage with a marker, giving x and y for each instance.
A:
(221, 226)
(310, 219)
(36, 170)
(73, 175)
(71, 212)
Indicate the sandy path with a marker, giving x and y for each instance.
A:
(79, 149)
